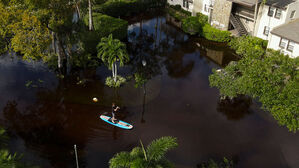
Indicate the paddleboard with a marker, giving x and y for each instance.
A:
(118, 123)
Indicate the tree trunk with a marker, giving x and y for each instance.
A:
(113, 74)
(53, 42)
(90, 16)
(115, 69)
(78, 10)
(59, 60)
(61, 55)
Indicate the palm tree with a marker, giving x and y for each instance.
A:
(112, 51)
(151, 157)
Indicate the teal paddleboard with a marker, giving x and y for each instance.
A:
(118, 123)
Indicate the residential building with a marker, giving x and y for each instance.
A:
(286, 38)
(203, 6)
(273, 14)
(253, 17)
(185, 4)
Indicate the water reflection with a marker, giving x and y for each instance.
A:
(235, 109)
(178, 101)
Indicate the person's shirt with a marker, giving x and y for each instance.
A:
(114, 108)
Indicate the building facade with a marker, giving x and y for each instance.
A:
(185, 4)
(273, 14)
(285, 38)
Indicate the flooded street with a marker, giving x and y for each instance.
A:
(45, 115)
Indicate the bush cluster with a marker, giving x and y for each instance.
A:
(214, 34)
(193, 24)
(105, 25)
(177, 12)
(199, 25)
(128, 7)
(249, 45)
(119, 81)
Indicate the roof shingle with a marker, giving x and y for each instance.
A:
(288, 30)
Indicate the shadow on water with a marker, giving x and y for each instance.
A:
(175, 100)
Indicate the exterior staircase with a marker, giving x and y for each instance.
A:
(236, 22)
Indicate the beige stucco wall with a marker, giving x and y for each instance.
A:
(221, 14)
(197, 7)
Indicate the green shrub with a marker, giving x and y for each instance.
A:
(249, 46)
(202, 18)
(104, 25)
(178, 8)
(194, 24)
(119, 81)
(214, 34)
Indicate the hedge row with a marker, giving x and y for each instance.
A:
(214, 34)
(198, 25)
(118, 8)
(177, 12)
(105, 25)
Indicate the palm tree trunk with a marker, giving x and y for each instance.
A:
(90, 16)
(113, 74)
(115, 69)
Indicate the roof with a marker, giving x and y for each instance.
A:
(277, 3)
(288, 30)
(249, 3)
(280, 3)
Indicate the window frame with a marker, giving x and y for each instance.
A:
(206, 9)
(293, 14)
(269, 10)
(281, 42)
(268, 31)
(278, 17)
(291, 45)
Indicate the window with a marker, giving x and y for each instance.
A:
(291, 46)
(206, 8)
(283, 43)
(278, 13)
(292, 14)
(266, 30)
(271, 11)
(186, 4)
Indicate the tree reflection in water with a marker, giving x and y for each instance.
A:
(58, 119)
(235, 109)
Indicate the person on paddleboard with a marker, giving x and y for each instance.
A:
(114, 110)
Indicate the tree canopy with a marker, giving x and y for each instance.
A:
(268, 76)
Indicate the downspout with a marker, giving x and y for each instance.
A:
(255, 16)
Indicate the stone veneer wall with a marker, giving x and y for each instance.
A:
(221, 14)
(197, 7)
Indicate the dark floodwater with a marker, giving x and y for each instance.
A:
(47, 118)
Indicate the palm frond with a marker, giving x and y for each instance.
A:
(120, 160)
(158, 148)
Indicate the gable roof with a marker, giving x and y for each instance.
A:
(249, 3)
(279, 3)
(276, 3)
(288, 30)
